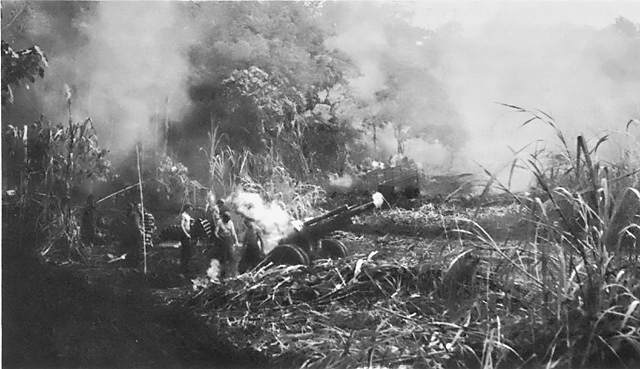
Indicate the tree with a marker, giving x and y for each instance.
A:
(261, 77)
(19, 66)
(45, 164)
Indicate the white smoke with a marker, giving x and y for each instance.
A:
(130, 66)
(272, 219)
(557, 69)
(538, 55)
(138, 58)
(214, 270)
(343, 184)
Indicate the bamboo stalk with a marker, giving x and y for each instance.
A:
(144, 243)
(67, 197)
(23, 184)
(166, 126)
(592, 173)
(578, 162)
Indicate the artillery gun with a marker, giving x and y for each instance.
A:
(394, 181)
(391, 182)
(307, 241)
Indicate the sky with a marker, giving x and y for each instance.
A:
(474, 14)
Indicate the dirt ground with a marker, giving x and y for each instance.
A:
(98, 316)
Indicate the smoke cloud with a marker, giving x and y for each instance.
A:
(544, 56)
(125, 64)
(562, 69)
(364, 42)
(446, 70)
(137, 64)
(397, 82)
(272, 219)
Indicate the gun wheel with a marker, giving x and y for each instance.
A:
(286, 255)
(332, 249)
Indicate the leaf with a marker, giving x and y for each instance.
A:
(632, 307)
(600, 141)
(357, 270)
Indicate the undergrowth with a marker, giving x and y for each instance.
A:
(241, 170)
(579, 257)
(557, 287)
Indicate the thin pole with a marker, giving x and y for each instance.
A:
(23, 185)
(120, 191)
(144, 231)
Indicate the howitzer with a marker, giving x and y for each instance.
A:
(307, 241)
(394, 181)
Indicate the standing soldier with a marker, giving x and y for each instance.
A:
(212, 214)
(253, 246)
(88, 223)
(186, 247)
(229, 243)
(222, 206)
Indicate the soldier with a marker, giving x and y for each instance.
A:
(222, 206)
(212, 214)
(229, 243)
(186, 249)
(211, 207)
(149, 228)
(253, 246)
(88, 223)
(134, 234)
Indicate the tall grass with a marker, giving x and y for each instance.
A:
(567, 295)
(582, 288)
(241, 170)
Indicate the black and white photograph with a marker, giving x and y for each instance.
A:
(320, 184)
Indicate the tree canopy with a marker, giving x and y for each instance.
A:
(300, 82)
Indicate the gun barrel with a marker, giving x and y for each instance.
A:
(353, 211)
(340, 209)
(319, 227)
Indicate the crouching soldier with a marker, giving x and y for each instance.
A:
(253, 246)
(229, 243)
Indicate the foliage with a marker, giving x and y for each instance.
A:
(277, 103)
(581, 171)
(174, 176)
(528, 303)
(578, 254)
(300, 133)
(262, 78)
(19, 66)
(232, 171)
(274, 101)
(46, 164)
(166, 182)
(300, 200)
